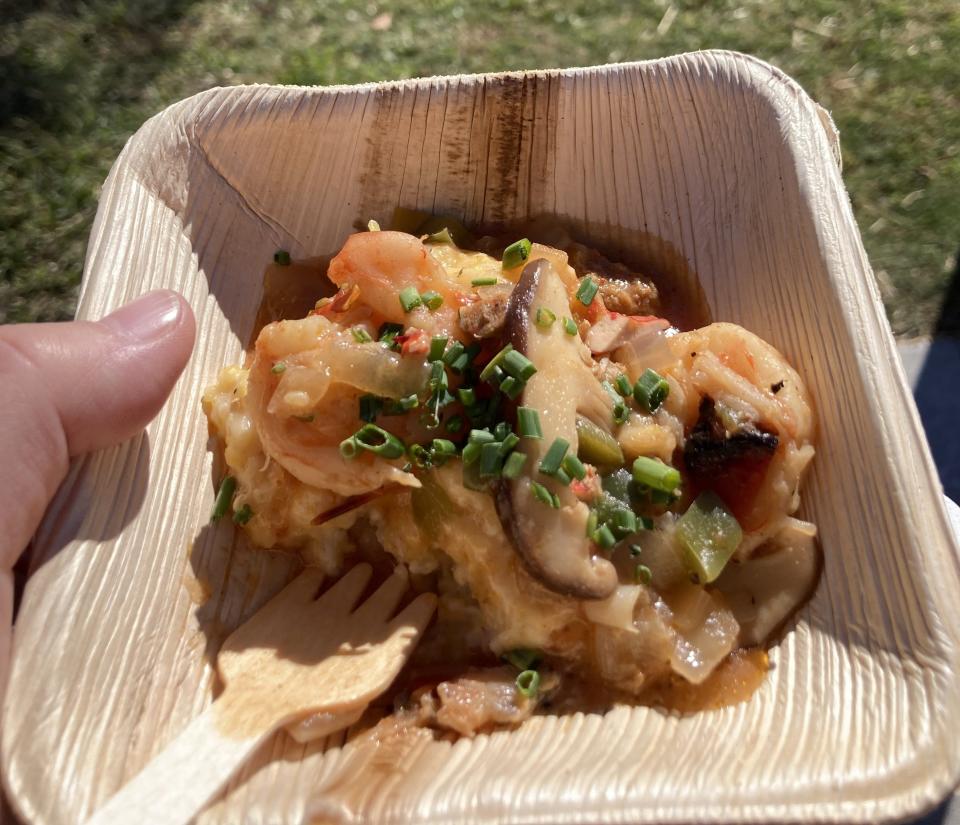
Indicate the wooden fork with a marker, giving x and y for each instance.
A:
(298, 655)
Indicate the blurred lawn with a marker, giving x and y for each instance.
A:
(77, 78)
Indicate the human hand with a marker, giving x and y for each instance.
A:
(70, 388)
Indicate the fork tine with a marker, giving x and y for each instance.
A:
(417, 614)
(341, 598)
(304, 587)
(380, 606)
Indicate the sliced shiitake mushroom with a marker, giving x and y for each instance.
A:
(553, 543)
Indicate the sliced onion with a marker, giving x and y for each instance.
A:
(646, 349)
(616, 610)
(706, 633)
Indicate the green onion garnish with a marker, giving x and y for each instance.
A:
(623, 522)
(516, 253)
(462, 361)
(442, 446)
(370, 406)
(224, 498)
(528, 683)
(620, 409)
(510, 440)
(570, 326)
(545, 317)
(455, 351)
(491, 461)
(438, 376)
(481, 437)
(388, 333)
(551, 462)
(360, 335)
(635, 550)
(490, 369)
(522, 658)
(409, 298)
(349, 447)
(501, 430)
(541, 493)
(277, 368)
(467, 396)
(528, 422)
(587, 291)
(489, 280)
(562, 476)
(592, 522)
(378, 441)
(437, 345)
(574, 467)
(432, 300)
(443, 236)
(651, 390)
(643, 574)
(518, 365)
(623, 385)
(513, 466)
(471, 452)
(655, 474)
(243, 515)
(511, 387)
(454, 424)
(282, 257)
(603, 536)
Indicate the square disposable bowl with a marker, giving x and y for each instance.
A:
(716, 159)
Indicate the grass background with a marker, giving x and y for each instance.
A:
(78, 78)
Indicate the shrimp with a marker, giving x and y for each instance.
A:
(380, 264)
(303, 389)
(747, 410)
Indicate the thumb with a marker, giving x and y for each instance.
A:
(73, 387)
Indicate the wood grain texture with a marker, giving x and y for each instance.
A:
(714, 156)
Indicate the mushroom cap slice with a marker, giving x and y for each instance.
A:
(552, 542)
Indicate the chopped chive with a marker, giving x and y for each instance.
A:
(282, 257)
(360, 335)
(349, 447)
(541, 493)
(409, 298)
(518, 365)
(592, 521)
(278, 368)
(655, 474)
(438, 376)
(522, 658)
(454, 424)
(501, 430)
(621, 412)
(511, 387)
(574, 467)
(481, 437)
(489, 280)
(635, 550)
(409, 402)
(443, 236)
(510, 440)
(496, 376)
(528, 422)
(378, 441)
(513, 466)
(432, 300)
(243, 515)
(491, 461)
(603, 536)
(643, 574)
(471, 452)
(623, 385)
(651, 390)
(570, 326)
(437, 345)
(587, 290)
(370, 406)
(562, 476)
(545, 317)
(623, 522)
(461, 362)
(453, 352)
(467, 396)
(387, 334)
(443, 446)
(516, 253)
(224, 498)
(421, 455)
(528, 683)
(488, 371)
(550, 463)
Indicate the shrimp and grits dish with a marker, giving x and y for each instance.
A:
(602, 502)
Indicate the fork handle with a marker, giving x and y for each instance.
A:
(177, 783)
